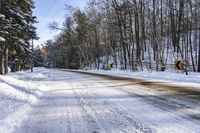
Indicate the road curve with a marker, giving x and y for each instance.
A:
(87, 103)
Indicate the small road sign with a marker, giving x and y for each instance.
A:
(111, 66)
(178, 65)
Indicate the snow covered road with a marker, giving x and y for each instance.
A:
(77, 103)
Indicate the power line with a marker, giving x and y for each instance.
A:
(47, 12)
(49, 9)
(56, 13)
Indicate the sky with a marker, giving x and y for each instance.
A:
(48, 11)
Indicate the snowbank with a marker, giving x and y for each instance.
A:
(168, 76)
(16, 98)
(2, 16)
(18, 89)
(2, 39)
(28, 75)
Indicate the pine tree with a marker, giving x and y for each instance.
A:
(18, 30)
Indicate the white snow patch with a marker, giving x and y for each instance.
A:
(80, 103)
(16, 98)
(2, 16)
(2, 39)
(168, 76)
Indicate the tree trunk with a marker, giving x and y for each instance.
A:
(199, 54)
(155, 43)
(1, 60)
(191, 50)
(6, 60)
(137, 35)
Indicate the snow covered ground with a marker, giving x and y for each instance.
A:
(16, 98)
(53, 101)
(2, 39)
(167, 76)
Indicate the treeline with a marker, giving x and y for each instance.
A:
(16, 33)
(134, 34)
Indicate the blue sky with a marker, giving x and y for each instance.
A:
(48, 11)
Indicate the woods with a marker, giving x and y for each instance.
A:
(99, 66)
(16, 31)
(134, 34)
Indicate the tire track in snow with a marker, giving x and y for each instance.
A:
(47, 116)
(180, 123)
(170, 103)
(174, 97)
(168, 109)
(88, 106)
(92, 123)
(111, 117)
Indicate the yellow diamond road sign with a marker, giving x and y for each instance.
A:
(178, 65)
(111, 65)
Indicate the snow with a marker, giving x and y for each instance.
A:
(167, 76)
(55, 101)
(24, 75)
(2, 16)
(2, 39)
(16, 98)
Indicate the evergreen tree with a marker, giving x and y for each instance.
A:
(18, 30)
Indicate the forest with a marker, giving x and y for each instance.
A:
(133, 34)
(16, 34)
